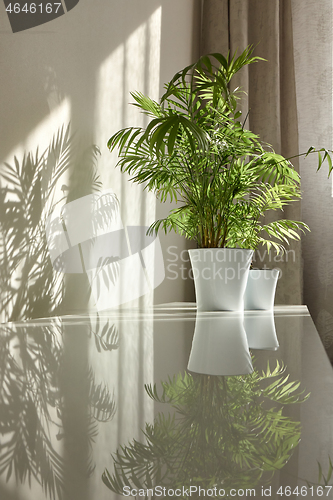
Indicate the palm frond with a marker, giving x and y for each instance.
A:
(195, 151)
(221, 433)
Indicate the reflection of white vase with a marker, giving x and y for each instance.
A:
(220, 345)
(220, 276)
(260, 330)
(260, 289)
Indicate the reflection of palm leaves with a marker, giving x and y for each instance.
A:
(108, 338)
(26, 449)
(221, 435)
(108, 269)
(29, 454)
(102, 405)
(30, 366)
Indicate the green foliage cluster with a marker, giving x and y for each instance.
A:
(196, 151)
(222, 434)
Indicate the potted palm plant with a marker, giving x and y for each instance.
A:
(196, 151)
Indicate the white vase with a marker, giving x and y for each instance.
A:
(219, 345)
(260, 289)
(260, 330)
(220, 277)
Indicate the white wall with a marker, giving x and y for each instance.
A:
(81, 68)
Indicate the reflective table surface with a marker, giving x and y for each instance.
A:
(168, 403)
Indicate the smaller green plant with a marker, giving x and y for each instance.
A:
(321, 476)
(196, 151)
(222, 434)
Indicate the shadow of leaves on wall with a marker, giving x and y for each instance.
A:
(29, 192)
(222, 434)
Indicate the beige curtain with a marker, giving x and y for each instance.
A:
(313, 35)
(290, 106)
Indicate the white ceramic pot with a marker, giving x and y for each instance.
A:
(260, 289)
(220, 277)
(260, 330)
(219, 345)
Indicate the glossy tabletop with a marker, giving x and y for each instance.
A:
(242, 406)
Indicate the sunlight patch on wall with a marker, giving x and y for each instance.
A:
(136, 75)
(41, 138)
(110, 96)
(154, 30)
(134, 65)
(42, 135)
